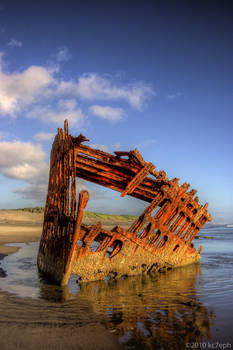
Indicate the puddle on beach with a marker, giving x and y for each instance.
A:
(190, 304)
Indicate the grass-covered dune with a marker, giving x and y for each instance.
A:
(25, 225)
(109, 217)
(36, 214)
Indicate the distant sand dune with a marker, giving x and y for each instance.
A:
(18, 226)
(18, 216)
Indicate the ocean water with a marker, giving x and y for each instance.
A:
(189, 307)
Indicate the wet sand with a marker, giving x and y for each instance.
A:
(36, 324)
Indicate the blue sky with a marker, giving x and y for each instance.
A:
(156, 75)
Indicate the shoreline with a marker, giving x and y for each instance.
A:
(18, 227)
(39, 323)
(13, 233)
(10, 234)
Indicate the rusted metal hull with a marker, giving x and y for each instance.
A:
(160, 239)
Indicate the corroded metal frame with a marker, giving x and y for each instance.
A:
(154, 242)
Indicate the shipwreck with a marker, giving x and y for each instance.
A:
(158, 240)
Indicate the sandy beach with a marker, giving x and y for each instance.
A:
(18, 226)
(37, 324)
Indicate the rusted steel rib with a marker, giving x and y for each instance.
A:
(160, 238)
(140, 176)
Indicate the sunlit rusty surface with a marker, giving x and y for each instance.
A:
(160, 239)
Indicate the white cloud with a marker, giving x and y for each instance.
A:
(21, 152)
(63, 54)
(38, 87)
(70, 104)
(41, 93)
(33, 192)
(65, 109)
(20, 89)
(108, 113)
(93, 86)
(14, 43)
(42, 136)
(23, 161)
(65, 88)
(21, 172)
(100, 147)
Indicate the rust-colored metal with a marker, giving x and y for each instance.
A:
(154, 242)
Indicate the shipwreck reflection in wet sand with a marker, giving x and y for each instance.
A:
(147, 312)
(160, 311)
